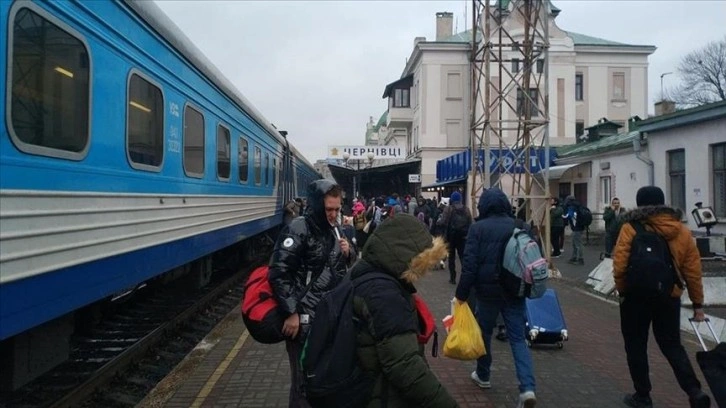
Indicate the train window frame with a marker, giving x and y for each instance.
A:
(239, 165)
(229, 152)
(258, 165)
(274, 171)
(132, 163)
(267, 168)
(184, 141)
(21, 145)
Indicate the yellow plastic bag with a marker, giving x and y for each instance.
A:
(464, 341)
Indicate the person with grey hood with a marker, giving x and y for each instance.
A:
(454, 223)
(310, 258)
(399, 252)
(481, 268)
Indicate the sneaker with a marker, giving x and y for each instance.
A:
(527, 400)
(699, 399)
(555, 256)
(479, 382)
(572, 261)
(452, 281)
(638, 401)
(581, 261)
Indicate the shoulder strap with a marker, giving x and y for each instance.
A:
(637, 226)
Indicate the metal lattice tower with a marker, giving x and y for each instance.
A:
(510, 109)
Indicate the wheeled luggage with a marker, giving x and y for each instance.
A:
(545, 322)
(713, 364)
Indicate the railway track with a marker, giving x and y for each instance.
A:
(124, 356)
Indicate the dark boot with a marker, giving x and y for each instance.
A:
(699, 399)
(638, 401)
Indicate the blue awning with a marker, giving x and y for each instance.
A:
(445, 182)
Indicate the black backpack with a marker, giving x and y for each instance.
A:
(650, 268)
(584, 217)
(332, 375)
(459, 222)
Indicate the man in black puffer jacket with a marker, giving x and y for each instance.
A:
(311, 257)
(481, 267)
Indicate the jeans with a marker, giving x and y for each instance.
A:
(297, 396)
(456, 244)
(636, 316)
(555, 235)
(576, 244)
(514, 316)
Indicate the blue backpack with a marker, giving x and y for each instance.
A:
(524, 270)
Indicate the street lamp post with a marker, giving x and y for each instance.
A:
(369, 160)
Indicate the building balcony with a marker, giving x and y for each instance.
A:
(399, 117)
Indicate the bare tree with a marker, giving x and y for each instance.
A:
(703, 76)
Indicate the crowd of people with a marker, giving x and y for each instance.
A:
(402, 238)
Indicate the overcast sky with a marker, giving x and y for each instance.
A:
(318, 69)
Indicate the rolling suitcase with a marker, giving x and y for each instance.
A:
(545, 322)
(713, 365)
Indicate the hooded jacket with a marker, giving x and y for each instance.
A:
(484, 246)
(306, 247)
(387, 344)
(572, 210)
(667, 222)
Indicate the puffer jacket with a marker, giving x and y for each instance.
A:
(387, 346)
(484, 246)
(665, 221)
(308, 246)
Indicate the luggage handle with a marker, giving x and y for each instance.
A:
(698, 334)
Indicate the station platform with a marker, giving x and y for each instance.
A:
(230, 369)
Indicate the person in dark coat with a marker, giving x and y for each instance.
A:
(310, 258)
(557, 226)
(572, 210)
(482, 264)
(401, 250)
(613, 216)
(455, 236)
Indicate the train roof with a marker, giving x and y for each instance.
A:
(159, 21)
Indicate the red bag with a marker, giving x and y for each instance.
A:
(427, 324)
(260, 313)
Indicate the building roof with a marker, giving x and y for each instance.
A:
(405, 82)
(605, 144)
(462, 37)
(582, 39)
(684, 117)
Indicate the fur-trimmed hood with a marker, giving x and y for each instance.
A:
(403, 247)
(666, 220)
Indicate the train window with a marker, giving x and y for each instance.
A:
(243, 159)
(223, 153)
(145, 126)
(258, 166)
(50, 86)
(193, 142)
(267, 169)
(274, 172)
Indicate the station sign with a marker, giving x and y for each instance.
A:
(361, 152)
(414, 178)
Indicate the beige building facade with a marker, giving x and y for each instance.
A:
(589, 78)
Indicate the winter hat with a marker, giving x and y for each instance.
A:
(455, 197)
(649, 195)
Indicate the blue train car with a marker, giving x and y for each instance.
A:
(125, 154)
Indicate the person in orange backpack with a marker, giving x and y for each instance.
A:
(654, 254)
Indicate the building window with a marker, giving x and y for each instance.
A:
(579, 128)
(193, 142)
(619, 86)
(578, 87)
(243, 160)
(145, 126)
(453, 85)
(49, 80)
(515, 65)
(401, 98)
(258, 166)
(540, 66)
(527, 105)
(719, 179)
(223, 153)
(605, 191)
(677, 178)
